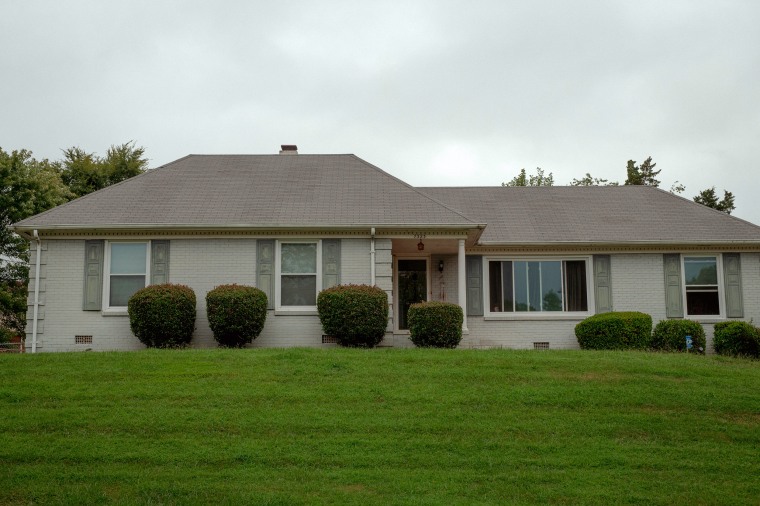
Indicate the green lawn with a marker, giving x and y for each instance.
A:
(301, 426)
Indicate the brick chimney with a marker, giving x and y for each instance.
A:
(288, 149)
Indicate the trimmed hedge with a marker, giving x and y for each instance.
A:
(615, 331)
(163, 316)
(435, 324)
(670, 335)
(737, 338)
(236, 314)
(356, 315)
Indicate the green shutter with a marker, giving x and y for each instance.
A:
(673, 291)
(93, 275)
(602, 284)
(159, 262)
(330, 262)
(265, 269)
(474, 285)
(732, 276)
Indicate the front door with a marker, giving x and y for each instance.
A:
(412, 287)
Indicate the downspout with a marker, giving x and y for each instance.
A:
(372, 257)
(36, 292)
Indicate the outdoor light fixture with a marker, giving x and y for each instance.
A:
(440, 265)
(420, 246)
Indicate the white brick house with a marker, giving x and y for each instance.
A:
(526, 264)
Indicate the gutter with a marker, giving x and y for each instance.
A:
(36, 291)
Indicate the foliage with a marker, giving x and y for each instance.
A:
(643, 174)
(236, 314)
(737, 338)
(710, 199)
(163, 316)
(435, 324)
(356, 315)
(385, 427)
(539, 179)
(614, 330)
(589, 180)
(6, 334)
(86, 172)
(670, 335)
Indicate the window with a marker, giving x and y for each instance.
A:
(537, 286)
(127, 268)
(701, 285)
(299, 273)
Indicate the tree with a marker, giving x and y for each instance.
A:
(588, 180)
(86, 172)
(539, 179)
(27, 187)
(710, 199)
(643, 174)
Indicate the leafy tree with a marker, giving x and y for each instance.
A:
(710, 199)
(643, 174)
(539, 179)
(86, 172)
(27, 187)
(588, 180)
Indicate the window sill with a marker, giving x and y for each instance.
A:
(537, 317)
(295, 312)
(114, 312)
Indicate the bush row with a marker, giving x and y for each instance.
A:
(633, 330)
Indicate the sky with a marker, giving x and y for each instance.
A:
(437, 93)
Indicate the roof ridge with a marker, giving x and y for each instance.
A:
(404, 183)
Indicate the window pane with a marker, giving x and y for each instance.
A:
(494, 287)
(551, 286)
(702, 302)
(521, 286)
(506, 283)
(575, 285)
(123, 287)
(299, 291)
(299, 258)
(128, 258)
(701, 270)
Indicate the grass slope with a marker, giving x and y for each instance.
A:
(301, 426)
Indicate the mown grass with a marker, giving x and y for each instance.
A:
(300, 426)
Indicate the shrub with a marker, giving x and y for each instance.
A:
(356, 315)
(163, 316)
(435, 324)
(614, 331)
(236, 314)
(6, 334)
(670, 335)
(737, 338)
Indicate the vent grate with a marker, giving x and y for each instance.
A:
(541, 345)
(329, 340)
(83, 339)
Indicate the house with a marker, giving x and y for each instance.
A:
(526, 264)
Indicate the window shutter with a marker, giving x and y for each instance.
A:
(474, 285)
(732, 274)
(602, 284)
(159, 262)
(673, 292)
(265, 269)
(330, 262)
(93, 275)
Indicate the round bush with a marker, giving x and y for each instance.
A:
(236, 314)
(737, 338)
(670, 335)
(163, 316)
(435, 324)
(356, 315)
(614, 331)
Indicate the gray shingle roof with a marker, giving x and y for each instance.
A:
(601, 214)
(257, 191)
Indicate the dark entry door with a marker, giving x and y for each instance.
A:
(412, 287)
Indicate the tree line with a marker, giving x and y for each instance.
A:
(643, 174)
(29, 186)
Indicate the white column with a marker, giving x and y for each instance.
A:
(461, 284)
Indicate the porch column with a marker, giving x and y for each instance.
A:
(461, 282)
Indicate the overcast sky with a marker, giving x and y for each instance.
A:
(436, 93)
